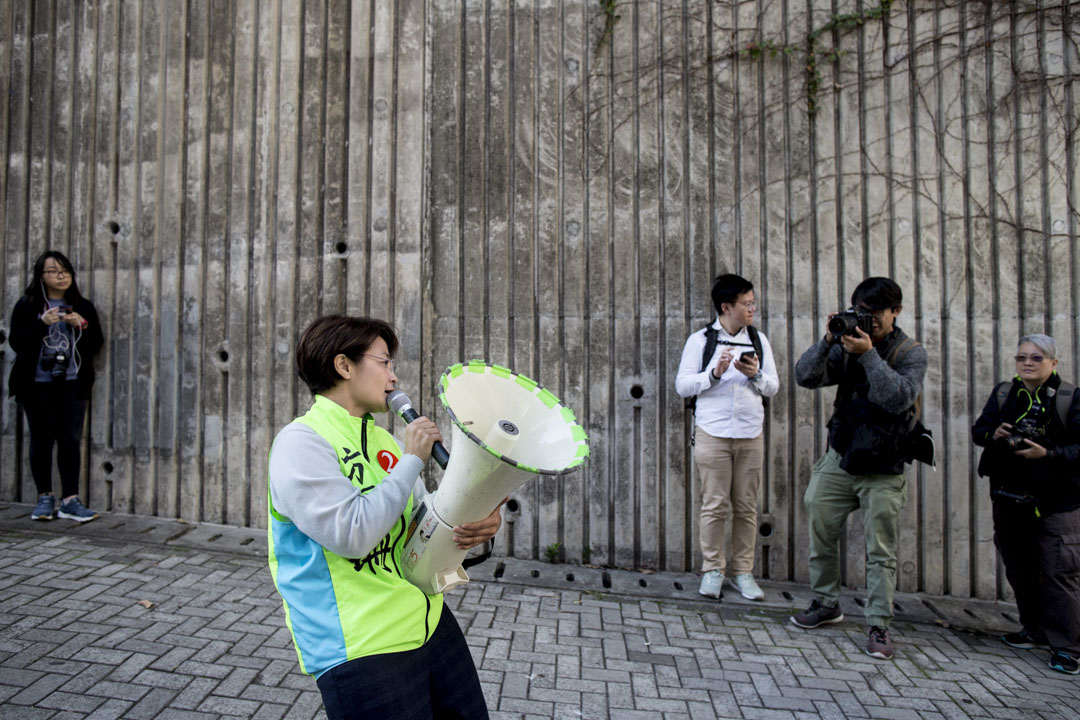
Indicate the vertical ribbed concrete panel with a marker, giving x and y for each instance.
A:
(549, 186)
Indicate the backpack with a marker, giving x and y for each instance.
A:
(710, 348)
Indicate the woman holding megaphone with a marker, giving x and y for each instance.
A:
(341, 493)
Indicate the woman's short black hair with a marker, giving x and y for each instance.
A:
(35, 290)
(878, 293)
(727, 289)
(333, 335)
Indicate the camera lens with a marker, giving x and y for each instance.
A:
(841, 324)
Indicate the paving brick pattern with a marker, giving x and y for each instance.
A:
(77, 640)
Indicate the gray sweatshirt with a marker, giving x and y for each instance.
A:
(306, 486)
(893, 389)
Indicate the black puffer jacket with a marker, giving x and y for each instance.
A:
(27, 333)
(1053, 481)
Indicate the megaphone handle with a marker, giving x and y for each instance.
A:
(440, 455)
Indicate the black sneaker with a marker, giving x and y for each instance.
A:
(1064, 662)
(817, 615)
(1023, 640)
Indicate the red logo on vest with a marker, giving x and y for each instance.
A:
(387, 460)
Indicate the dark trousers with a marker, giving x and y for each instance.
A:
(1042, 564)
(437, 680)
(54, 414)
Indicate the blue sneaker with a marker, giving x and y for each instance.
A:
(1064, 662)
(45, 508)
(73, 510)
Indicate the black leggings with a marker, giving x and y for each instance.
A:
(54, 413)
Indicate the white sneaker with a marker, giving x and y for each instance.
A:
(746, 585)
(711, 583)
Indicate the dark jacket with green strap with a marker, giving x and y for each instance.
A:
(1052, 482)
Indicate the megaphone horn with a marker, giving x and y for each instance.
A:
(506, 430)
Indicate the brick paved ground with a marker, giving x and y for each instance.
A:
(98, 626)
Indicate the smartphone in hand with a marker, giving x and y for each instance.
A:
(747, 356)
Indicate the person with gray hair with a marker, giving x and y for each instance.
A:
(1030, 432)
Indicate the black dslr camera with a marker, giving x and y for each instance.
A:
(845, 323)
(1023, 430)
(57, 365)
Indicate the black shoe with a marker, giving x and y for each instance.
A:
(1064, 662)
(817, 615)
(1023, 640)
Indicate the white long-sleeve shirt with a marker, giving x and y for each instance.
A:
(731, 406)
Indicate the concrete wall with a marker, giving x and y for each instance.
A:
(549, 186)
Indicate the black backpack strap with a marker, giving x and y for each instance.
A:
(1001, 392)
(706, 355)
(755, 340)
(710, 346)
(1063, 399)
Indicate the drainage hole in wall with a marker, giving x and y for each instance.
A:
(787, 595)
(860, 602)
(107, 468)
(605, 580)
(570, 577)
(3, 337)
(642, 583)
(146, 530)
(114, 227)
(213, 538)
(766, 530)
(247, 541)
(636, 391)
(223, 355)
(500, 569)
(970, 614)
(535, 573)
(512, 505)
(678, 586)
(340, 248)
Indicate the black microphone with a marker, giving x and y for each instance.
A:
(399, 402)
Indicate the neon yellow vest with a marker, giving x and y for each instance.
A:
(338, 608)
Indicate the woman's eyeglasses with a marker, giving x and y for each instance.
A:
(55, 273)
(387, 363)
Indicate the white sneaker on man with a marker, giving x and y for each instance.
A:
(711, 583)
(746, 585)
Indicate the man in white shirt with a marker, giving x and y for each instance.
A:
(729, 447)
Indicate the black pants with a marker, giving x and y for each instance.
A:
(438, 681)
(1042, 564)
(54, 414)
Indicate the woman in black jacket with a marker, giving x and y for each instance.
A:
(1030, 429)
(55, 334)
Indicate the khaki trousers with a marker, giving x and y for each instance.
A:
(831, 496)
(730, 473)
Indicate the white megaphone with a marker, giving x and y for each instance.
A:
(507, 429)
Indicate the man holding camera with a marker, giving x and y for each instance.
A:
(879, 373)
(728, 367)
